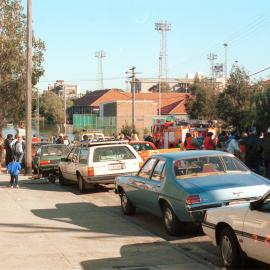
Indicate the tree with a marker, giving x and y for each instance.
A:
(235, 105)
(52, 107)
(164, 88)
(201, 104)
(13, 59)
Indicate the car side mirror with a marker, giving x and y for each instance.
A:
(256, 205)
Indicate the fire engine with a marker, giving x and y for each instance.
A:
(170, 133)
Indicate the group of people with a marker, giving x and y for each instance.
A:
(251, 148)
(61, 139)
(13, 148)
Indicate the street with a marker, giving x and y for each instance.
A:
(47, 226)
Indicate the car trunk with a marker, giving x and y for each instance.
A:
(226, 187)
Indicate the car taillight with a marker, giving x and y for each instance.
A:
(91, 171)
(44, 162)
(193, 199)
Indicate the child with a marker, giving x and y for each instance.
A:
(14, 168)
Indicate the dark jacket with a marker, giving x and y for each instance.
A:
(7, 146)
(266, 147)
(253, 147)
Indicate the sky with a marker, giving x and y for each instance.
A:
(74, 30)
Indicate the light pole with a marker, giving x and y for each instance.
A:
(163, 27)
(225, 61)
(37, 116)
(65, 111)
(99, 55)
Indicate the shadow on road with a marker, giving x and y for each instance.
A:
(146, 256)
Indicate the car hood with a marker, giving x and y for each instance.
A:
(229, 186)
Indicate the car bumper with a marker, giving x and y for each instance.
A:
(105, 179)
(54, 168)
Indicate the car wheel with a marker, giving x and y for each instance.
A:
(81, 184)
(229, 249)
(127, 207)
(62, 180)
(171, 222)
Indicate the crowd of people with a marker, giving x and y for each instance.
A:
(250, 147)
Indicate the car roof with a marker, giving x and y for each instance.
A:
(191, 154)
(142, 142)
(53, 145)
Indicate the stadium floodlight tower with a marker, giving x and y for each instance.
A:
(212, 57)
(163, 27)
(99, 55)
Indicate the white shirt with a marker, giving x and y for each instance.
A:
(233, 146)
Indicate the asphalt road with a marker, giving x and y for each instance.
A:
(193, 242)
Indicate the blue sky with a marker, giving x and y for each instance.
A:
(124, 29)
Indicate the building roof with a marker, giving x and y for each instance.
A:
(171, 103)
(95, 98)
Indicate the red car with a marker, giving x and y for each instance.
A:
(142, 145)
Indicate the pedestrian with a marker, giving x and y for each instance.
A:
(208, 143)
(242, 147)
(18, 149)
(149, 138)
(253, 150)
(1, 151)
(222, 138)
(13, 169)
(134, 137)
(7, 146)
(191, 143)
(66, 140)
(233, 146)
(60, 139)
(266, 153)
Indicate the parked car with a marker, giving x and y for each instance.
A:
(142, 145)
(181, 186)
(241, 230)
(48, 157)
(93, 163)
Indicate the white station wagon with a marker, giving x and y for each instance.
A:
(241, 230)
(92, 163)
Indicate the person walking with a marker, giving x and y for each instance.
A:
(18, 149)
(60, 139)
(266, 153)
(253, 150)
(209, 143)
(7, 146)
(13, 169)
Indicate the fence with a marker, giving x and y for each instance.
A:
(90, 121)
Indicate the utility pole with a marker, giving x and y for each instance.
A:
(28, 148)
(163, 27)
(133, 73)
(65, 111)
(99, 55)
(37, 125)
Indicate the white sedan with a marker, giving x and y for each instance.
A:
(241, 230)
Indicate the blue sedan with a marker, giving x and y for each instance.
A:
(181, 186)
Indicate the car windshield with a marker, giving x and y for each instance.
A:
(141, 146)
(55, 150)
(198, 166)
(112, 153)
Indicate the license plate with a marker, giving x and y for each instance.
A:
(116, 166)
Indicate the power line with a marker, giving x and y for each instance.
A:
(260, 71)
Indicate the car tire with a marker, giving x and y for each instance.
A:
(128, 208)
(81, 184)
(171, 222)
(62, 180)
(230, 250)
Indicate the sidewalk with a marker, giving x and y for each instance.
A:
(44, 226)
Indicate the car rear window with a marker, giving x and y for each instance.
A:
(206, 165)
(53, 150)
(114, 153)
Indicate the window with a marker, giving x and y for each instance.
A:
(83, 159)
(55, 150)
(197, 166)
(159, 171)
(73, 155)
(147, 168)
(114, 153)
(232, 164)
